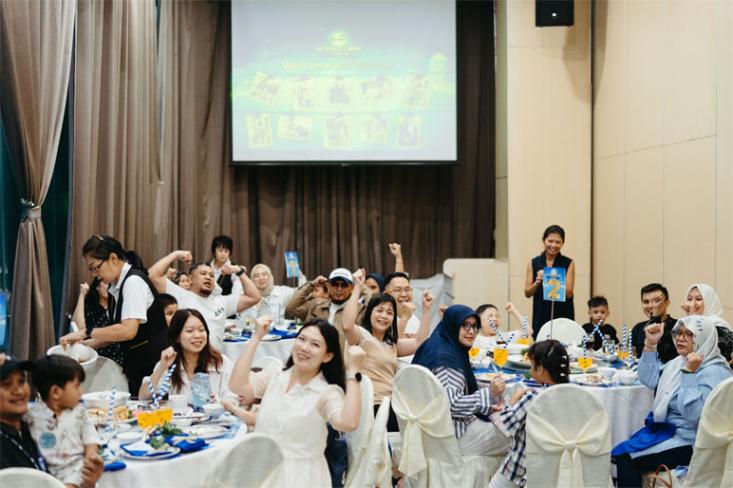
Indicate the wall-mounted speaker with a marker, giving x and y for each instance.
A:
(549, 13)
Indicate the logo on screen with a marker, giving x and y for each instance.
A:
(339, 42)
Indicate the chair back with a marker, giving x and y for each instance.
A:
(249, 464)
(358, 440)
(103, 375)
(568, 440)
(28, 478)
(712, 458)
(374, 468)
(429, 445)
(265, 362)
(564, 330)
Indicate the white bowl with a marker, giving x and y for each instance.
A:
(182, 422)
(626, 377)
(125, 438)
(607, 372)
(213, 410)
(100, 399)
(85, 355)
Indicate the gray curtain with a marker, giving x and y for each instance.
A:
(35, 59)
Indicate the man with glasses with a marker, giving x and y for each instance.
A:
(339, 284)
(655, 302)
(398, 285)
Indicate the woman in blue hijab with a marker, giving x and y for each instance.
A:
(445, 353)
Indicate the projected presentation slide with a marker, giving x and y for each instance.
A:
(341, 81)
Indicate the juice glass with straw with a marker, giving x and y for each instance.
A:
(473, 353)
(501, 354)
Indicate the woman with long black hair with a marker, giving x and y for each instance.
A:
(138, 320)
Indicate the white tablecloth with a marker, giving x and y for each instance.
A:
(627, 407)
(185, 471)
(279, 349)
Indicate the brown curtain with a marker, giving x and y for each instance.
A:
(331, 216)
(116, 121)
(35, 59)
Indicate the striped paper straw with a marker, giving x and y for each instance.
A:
(623, 341)
(525, 319)
(496, 329)
(108, 427)
(166, 382)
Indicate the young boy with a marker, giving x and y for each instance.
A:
(59, 424)
(170, 306)
(221, 251)
(597, 311)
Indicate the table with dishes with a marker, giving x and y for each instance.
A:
(277, 343)
(609, 380)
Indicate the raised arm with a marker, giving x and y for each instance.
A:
(351, 310)
(406, 346)
(167, 356)
(78, 316)
(157, 272)
(396, 251)
(347, 419)
(532, 282)
(298, 305)
(514, 312)
(250, 294)
(239, 382)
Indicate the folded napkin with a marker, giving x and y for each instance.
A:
(115, 466)
(285, 334)
(142, 448)
(187, 443)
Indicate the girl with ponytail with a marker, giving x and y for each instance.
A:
(138, 321)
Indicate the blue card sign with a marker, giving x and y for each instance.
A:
(553, 284)
(291, 264)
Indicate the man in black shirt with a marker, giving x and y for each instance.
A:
(655, 302)
(17, 447)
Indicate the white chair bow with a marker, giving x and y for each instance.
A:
(712, 459)
(28, 478)
(568, 422)
(374, 468)
(249, 464)
(358, 440)
(412, 385)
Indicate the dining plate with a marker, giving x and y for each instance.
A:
(508, 378)
(166, 453)
(206, 431)
(516, 361)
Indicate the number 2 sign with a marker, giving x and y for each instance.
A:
(553, 284)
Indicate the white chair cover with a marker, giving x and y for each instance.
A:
(712, 459)
(266, 361)
(249, 464)
(28, 478)
(375, 466)
(103, 375)
(568, 440)
(564, 330)
(358, 440)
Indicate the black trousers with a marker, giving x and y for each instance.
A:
(392, 425)
(630, 470)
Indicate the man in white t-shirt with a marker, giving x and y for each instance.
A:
(214, 308)
(397, 284)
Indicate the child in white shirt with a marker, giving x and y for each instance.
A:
(59, 424)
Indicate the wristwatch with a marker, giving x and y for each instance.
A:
(355, 376)
(242, 270)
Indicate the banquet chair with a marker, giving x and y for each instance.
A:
(375, 466)
(266, 361)
(712, 457)
(249, 464)
(429, 453)
(358, 440)
(564, 330)
(103, 375)
(28, 478)
(568, 440)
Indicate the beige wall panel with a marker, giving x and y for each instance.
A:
(581, 297)
(643, 225)
(689, 215)
(610, 79)
(523, 33)
(690, 74)
(608, 231)
(644, 74)
(516, 296)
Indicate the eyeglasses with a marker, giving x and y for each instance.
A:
(94, 269)
(468, 327)
(400, 291)
(677, 333)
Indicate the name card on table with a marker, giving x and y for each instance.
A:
(553, 284)
(292, 266)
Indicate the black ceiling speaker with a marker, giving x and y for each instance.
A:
(550, 13)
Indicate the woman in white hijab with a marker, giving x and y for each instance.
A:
(682, 387)
(701, 299)
(274, 298)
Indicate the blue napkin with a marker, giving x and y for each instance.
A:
(115, 466)
(186, 443)
(283, 333)
(142, 449)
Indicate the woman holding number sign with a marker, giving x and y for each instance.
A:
(553, 239)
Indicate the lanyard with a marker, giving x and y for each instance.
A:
(39, 462)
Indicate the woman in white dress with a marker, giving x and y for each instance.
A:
(298, 401)
(191, 352)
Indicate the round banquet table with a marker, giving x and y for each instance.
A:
(185, 471)
(280, 349)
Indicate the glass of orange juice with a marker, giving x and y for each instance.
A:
(473, 353)
(585, 363)
(501, 354)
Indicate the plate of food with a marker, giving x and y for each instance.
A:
(84, 355)
(143, 451)
(206, 432)
(575, 368)
(271, 337)
(508, 378)
(518, 361)
(120, 414)
(588, 379)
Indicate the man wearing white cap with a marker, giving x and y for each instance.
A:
(339, 284)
